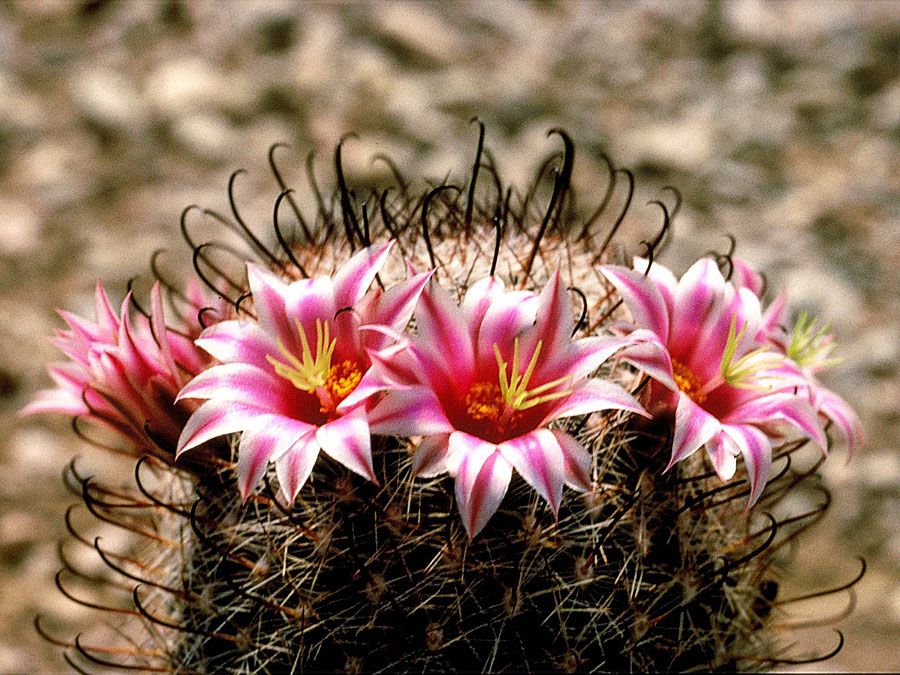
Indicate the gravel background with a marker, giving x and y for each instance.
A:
(778, 121)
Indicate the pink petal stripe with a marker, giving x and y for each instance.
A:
(160, 331)
(269, 438)
(757, 452)
(356, 275)
(744, 276)
(846, 421)
(698, 291)
(554, 320)
(478, 299)
(722, 452)
(393, 307)
(294, 467)
(482, 478)
(308, 300)
(642, 297)
(239, 342)
(55, 401)
(409, 412)
(584, 356)
(506, 317)
(662, 276)
(773, 317)
(430, 456)
(242, 383)
(693, 428)
(786, 407)
(576, 462)
(650, 355)
(216, 418)
(537, 457)
(443, 335)
(269, 295)
(593, 395)
(107, 321)
(347, 441)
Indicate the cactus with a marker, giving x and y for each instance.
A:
(649, 570)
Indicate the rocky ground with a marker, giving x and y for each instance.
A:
(779, 122)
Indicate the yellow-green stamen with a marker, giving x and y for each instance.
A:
(309, 372)
(810, 346)
(514, 388)
(741, 372)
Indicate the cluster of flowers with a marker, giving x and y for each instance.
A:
(328, 362)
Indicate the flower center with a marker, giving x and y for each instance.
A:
(688, 382)
(313, 373)
(484, 402)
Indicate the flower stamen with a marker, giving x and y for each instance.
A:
(514, 388)
(309, 372)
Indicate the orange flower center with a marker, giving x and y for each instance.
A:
(484, 402)
(341, 380)
(688, 382)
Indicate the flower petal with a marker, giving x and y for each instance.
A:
(722, 452)
(693, 428)
(160, 332)
(539, 460)
(650, 355)
(293, 468)
(781, 407)
(744, 276)
(392, 308)
(757, 452)
(443, 339)
(269, 295)
(414, 411)
(430, 456)
(594, 395)
(576, 462)
(269, 438)
(662, 276)
(482, 478)
(584, 356)
(239, 342)
(642, 297)
(216, 418)
(347, 440)
(699, 289)
(355, 276)
(845, 420)
(507, 316)
(243, 383)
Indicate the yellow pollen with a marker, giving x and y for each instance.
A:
(688, 382)
(342, 379)
(484, 403)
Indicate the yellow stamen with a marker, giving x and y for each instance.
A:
(309, 372)
(741, 372)
(809, 346)
(514, 389)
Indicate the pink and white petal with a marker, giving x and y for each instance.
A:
(269, 295)
(507, 317)
(478, 299)
(582, 357)
(642, 297)
(591, 396)
(844, 418)
(738, 306)
(693, 428)
(355, 276)
(773, 320)
(662, 276)
(294, 467)
(392, 308)
(555, 321)
(243, 383)
(744, 276)
(430, 457)
(307, 301)
(414, 411)
(650, 355)
(107, 321)
(461, 445)
(537, 457)
(482, 479)
(347, 440)
(443, 334)
(757, 452)
(216, 418)
(239, 341)
(769, 410)
(62, 401)
(269, 438)
(722, 452)
(576, 462)
(699, 289)
(160, 332)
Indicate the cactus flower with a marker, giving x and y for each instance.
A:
(124, 373)
(482, 381)
(284, 379)
(697, 339)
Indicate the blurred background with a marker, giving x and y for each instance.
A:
(779, 122)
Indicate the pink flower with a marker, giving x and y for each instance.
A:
(481, 383)
(696, 338)
(809, 346)
(284, 380)
(124, 373)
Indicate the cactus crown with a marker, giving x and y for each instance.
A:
(644, 571)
